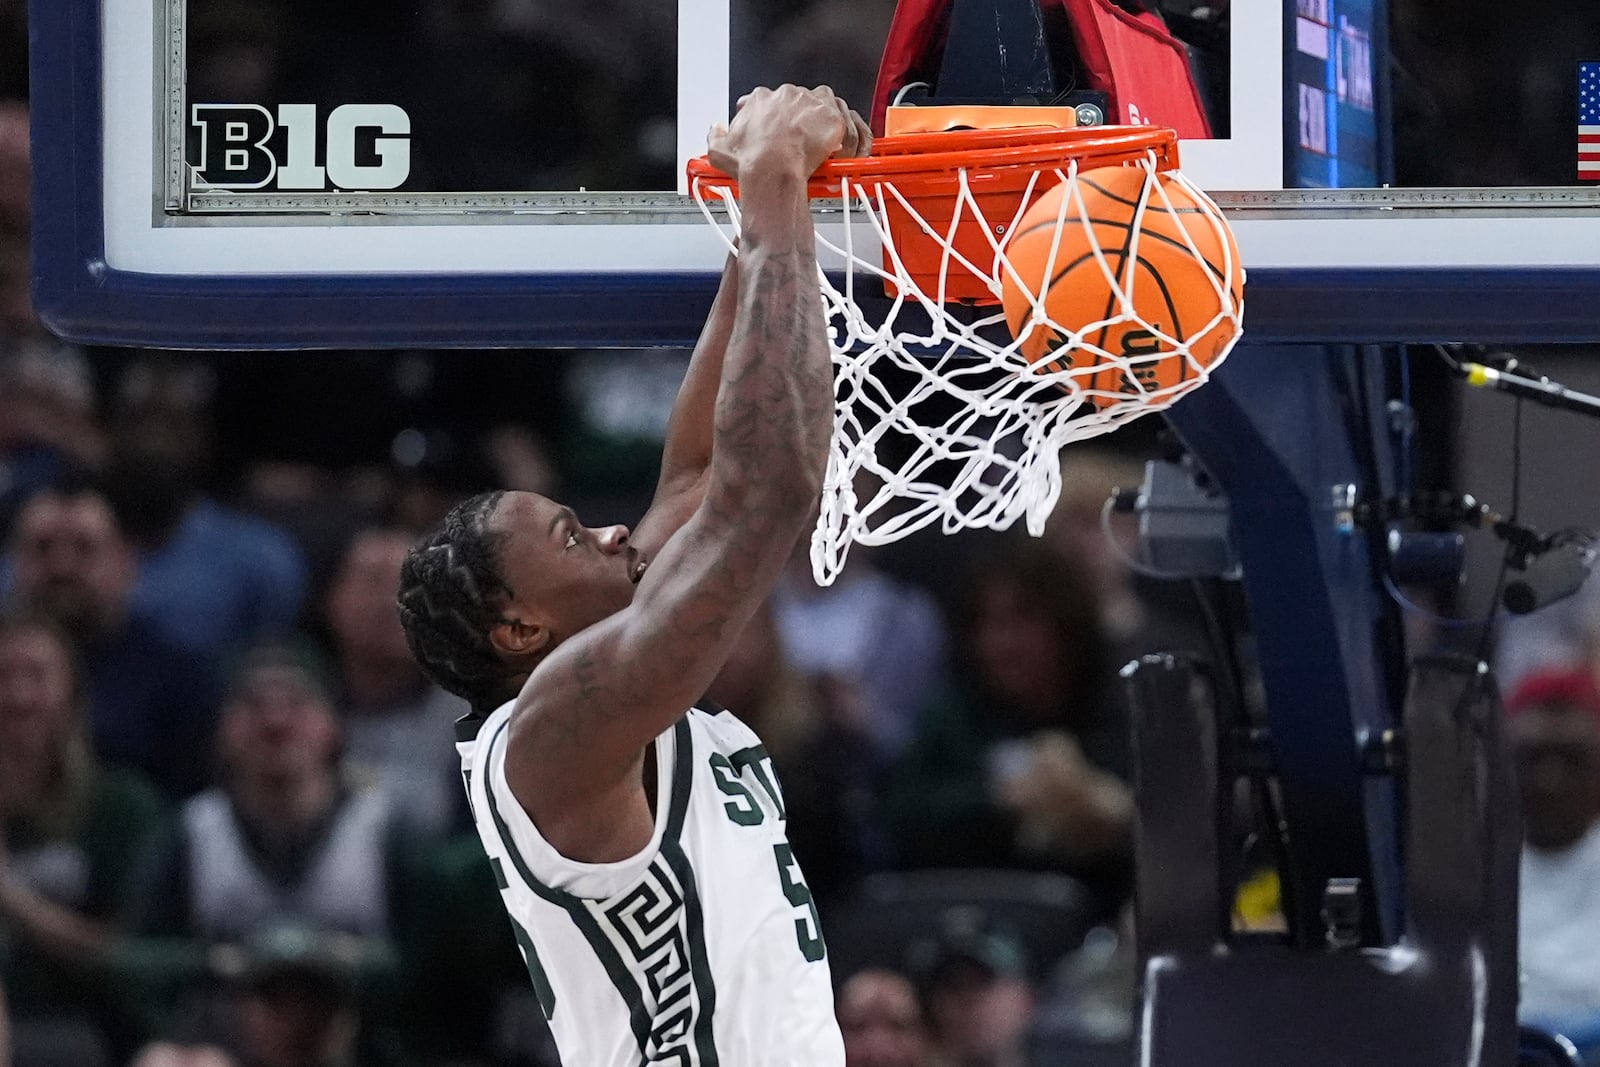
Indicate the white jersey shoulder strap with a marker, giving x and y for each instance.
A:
(645, 932)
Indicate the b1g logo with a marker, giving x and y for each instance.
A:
(244, 146)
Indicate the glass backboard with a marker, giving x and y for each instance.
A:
(285, 174)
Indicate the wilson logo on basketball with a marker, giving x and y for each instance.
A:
(1141, 342)
(245, 146)
(1141, 266)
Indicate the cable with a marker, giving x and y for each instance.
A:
(901, 94)
(1222, 644)
(1444, 354)
(1268, 817)
(1409, 605)
(1231, 678)
(1487, 637)
(1367, 431)
(1135, 565)
(1228, 690)
(1533, 386)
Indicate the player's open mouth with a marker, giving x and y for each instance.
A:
(638, 570)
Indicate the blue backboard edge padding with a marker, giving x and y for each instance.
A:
(84, 300)
(116, 308)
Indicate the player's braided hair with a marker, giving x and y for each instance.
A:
(451, 594)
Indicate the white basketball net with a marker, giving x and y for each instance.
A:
(939, 417)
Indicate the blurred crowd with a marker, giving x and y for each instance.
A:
(233, 827)
(232, 832)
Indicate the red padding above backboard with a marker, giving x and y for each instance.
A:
(1140, 64)
(911, 53)
(1132, 58)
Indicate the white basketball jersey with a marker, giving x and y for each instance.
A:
(704, 949)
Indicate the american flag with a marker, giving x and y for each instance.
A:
(1589, 122)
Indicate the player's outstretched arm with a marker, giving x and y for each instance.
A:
(588, 710)
(686, 454)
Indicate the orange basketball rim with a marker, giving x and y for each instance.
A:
(957, 400)
(921, 179)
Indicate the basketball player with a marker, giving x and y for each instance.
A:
(639, 840)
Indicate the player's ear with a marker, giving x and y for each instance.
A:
(519, 637)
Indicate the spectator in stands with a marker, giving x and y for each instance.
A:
(171, 1054)
(467, 994)
(289, 996)
(236, 49)
(46, 397)
(866, 631)
(73, 836)
(1088, 1006)
(211, 578)
(838, 43)
(977, 996)
(881, 1020)
(318, 505)
(434, 470)
(1019, 763)
(1555, 733)
(614, 77)
(46, 417)
(16, 308)
(283, 837)
(398, 726)
(817, 738)
(298, 1003)
(152, 704)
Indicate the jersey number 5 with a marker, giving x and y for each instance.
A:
(807, 931)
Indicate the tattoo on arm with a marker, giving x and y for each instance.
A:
(591, 707)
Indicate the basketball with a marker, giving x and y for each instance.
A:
(1194, 300)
